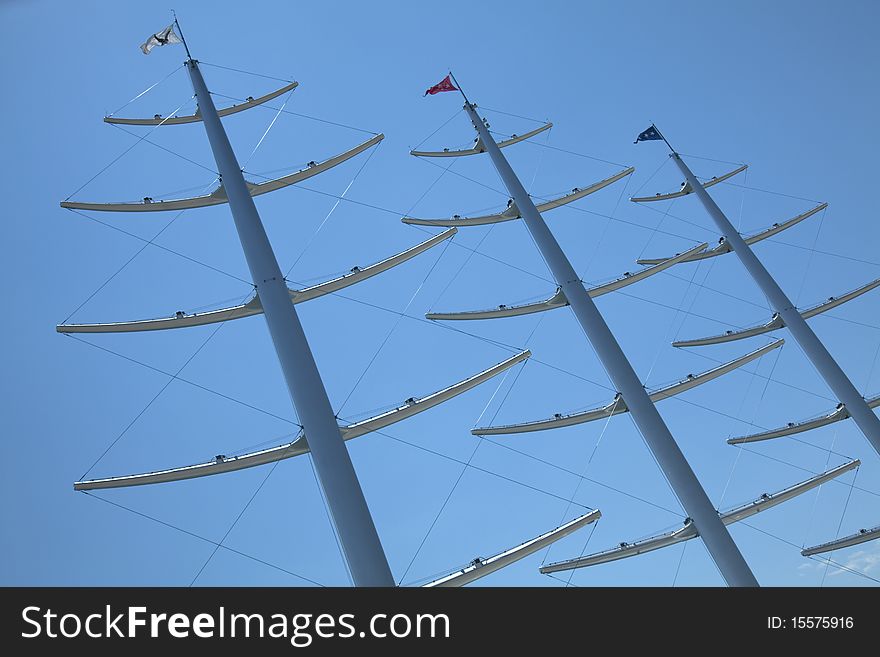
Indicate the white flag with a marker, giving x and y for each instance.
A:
(162, 38)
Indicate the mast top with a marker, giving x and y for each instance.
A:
(467, 102)
(674, 153)
(180, 32)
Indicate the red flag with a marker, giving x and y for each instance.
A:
(444, 85)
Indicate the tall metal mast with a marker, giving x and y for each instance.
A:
(678, 472)
(827, 367)
(357, 534)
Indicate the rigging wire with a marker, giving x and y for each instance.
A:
(154, 398)
(167, 150)
(147, 90)
(842, 516)
(238, 70)
(268, 128)
(547, 145)
(412, 298)
(762, 306)
(177, 528)
(517, 116)
(127, 150)
(604, 233)
(768, 191)
(819, 491)
(684, 546)
(285, 437)
(651, 177)
(797, 298)
(119, 270)
(151, 242)
(468, 178)
(182, 380)
(574, 473)
(494, 259)
(341, 197)
(442, 125)
(689, 312)
(393, 327)
(130, 260)
(563, 150)
(282, 110)
(827, 253)
(568, 582)
(674, 320)
(814, 557)
(752, 421)
(666, 213)
(850, 321)
(234, 523)
(798, 467)
(478, 468)
(477, 446)
(633, 223)
(577, 488)
(463, 470)
(653, 233)
(736, 458)
(709, 159)
(742, 203)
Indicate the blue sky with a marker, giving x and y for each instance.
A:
(788, 87)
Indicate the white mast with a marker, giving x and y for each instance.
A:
(681, 477)
(342, 490)
(822, 360)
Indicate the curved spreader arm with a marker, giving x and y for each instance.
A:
(193, 118)
(861, 536)
(618, 405)
(723, 247)
(688, 531)
(253, 307)
(299, 445)
(776, 322)
(479, 148)
(686, 188)
(512, 212)
(838, 414)
(558, 300)
(479, 568)
(218, 196)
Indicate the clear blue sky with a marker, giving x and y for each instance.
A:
(789, 87)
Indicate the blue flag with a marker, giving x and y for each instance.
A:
(649, 135)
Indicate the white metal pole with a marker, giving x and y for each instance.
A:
(681, 477)
(348, 508)
(824, 362)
